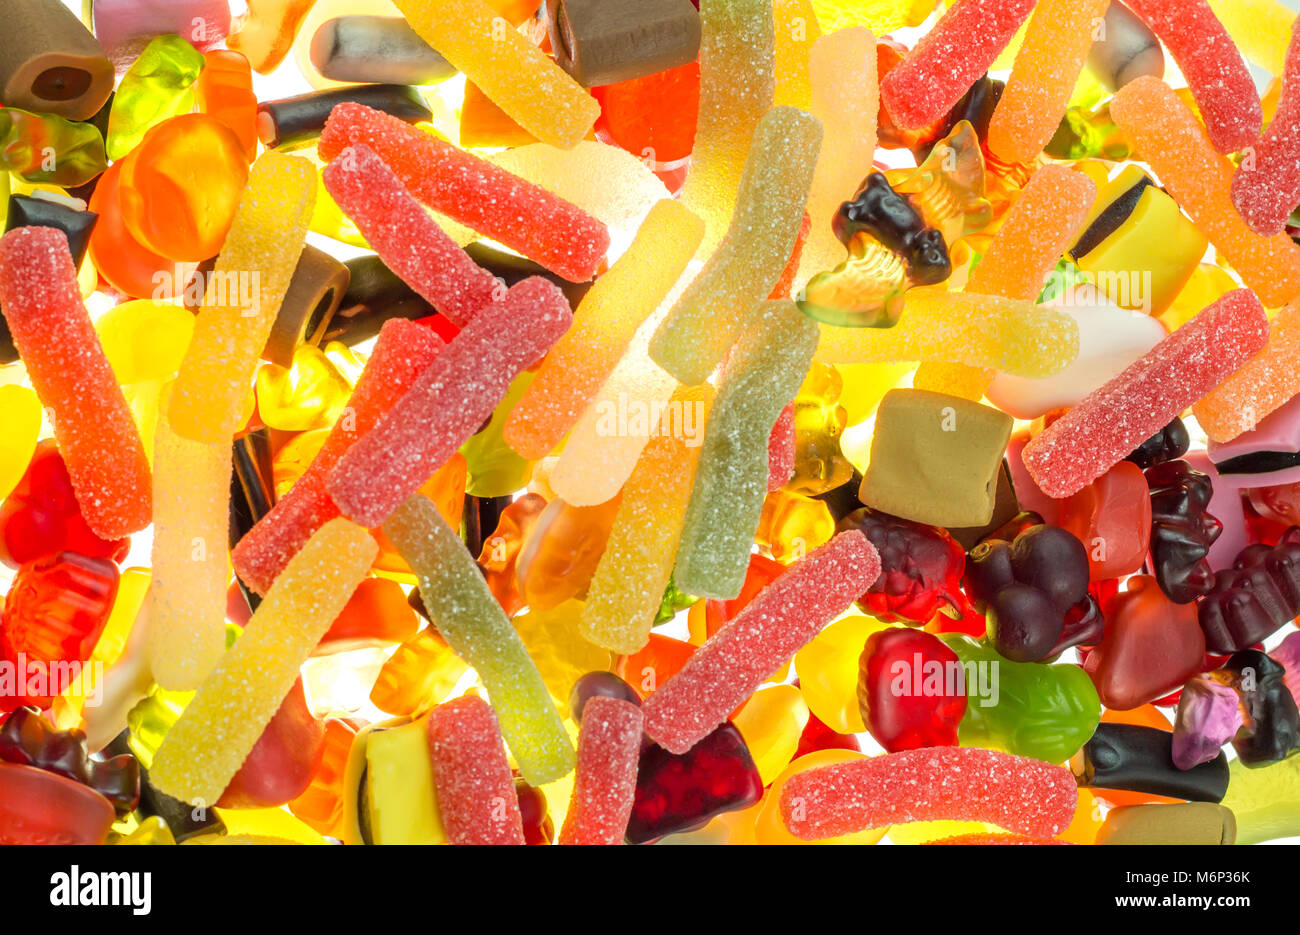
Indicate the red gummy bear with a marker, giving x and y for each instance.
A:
(908, 692)
(921, 568)
(41, 516)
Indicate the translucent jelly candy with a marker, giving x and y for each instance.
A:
(1112, 518)
(761, 375)
(609, 747)
(1264, 383)
(1015, 793)
(476, 795)
(1090, 438)
(469, 618)
(473, 192)
(1046, 70)
(218, 728)
(243, 295)
(53, 333)
(719, 302)
(603, 326)
(561, 552)
(406, 237)
(651, 117)
(27, 141)
(1182, 530)
(1259, 28)
(225, 91)
(906, 691)
(737, 88)
(1220, 82)
(948, 59)
(623, 599)
(509, 69)
(40, 807)
(1166, 134)
(266, 33)
(160, 84)
(456, 393)
(736, 660)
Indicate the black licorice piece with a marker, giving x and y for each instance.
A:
(1259, 462)
(1113, 215)
(1168, 444)
(294, 122)
(317, 288)
(252, 492)
(49, 61)
(76, 223)
(892, 219)
(382, 49)
(602, 42)
(511, 268)
(1272, 728)
(183, 819)
(374, 295)
(1124, 48)
(1140, 759)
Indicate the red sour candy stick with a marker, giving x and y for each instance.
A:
(1266, 187)
(406, 236)
(403, 351)
(609, 750)
(449, 402)
(476, 793)
(1214, 69)
(1113, 420)
(472, 191)
(55, 338)
(736, 660)
(948, 59)
(931, 784)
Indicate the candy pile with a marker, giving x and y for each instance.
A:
(604, 421)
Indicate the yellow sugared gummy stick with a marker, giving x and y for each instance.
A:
(603, 327)
(208, 744)
(187, 594)
(737, 87)
(243, 296)
(514, 74)
(628, 586)
(795, 31)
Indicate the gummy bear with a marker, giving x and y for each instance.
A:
(908, 692)
(819, 421)
(1271, 721)
(1182, 530)
(27, 739)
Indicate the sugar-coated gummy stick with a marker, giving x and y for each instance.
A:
(1038, 229)
(761, 376)
(604, 788)
(846, 99)
(1259, 28)
(1215, 71)
(402, 352)
(449, 401)
(795, 30)
(514, 74)
(476, 793)
(714, 309)
(207, 745)
(1111, 421)
(406, 236)
(737, 87)
(1043, 78)
(474, 192)
(1266, 186)
(54, 336)
(930, 784)
(604, 324)
(1006, 335)
(735, 661)
(244, 293)
(186, 602)
(1264, 384)
(1166, 133)
(469, 618)
(948, 59)
(628, 586)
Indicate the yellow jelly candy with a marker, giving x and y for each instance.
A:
(145, 340)
(828, 672)
(308, 395)
(771, 723)
(561, 654)
(20, 424)
(792, 525)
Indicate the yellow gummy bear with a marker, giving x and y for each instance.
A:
(771, 723)
(828, 672)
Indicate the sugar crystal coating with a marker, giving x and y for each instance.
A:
(1264, 384)
(609, 747)
(476, 794)
(1266, 186)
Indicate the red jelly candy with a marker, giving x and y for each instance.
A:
(1112, 518)
(653, 118)
(908, 691)
(37, 807)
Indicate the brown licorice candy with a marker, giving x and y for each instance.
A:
(50, 63)
(605, 41)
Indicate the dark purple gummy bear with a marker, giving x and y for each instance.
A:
(27, 739)
(1169, 443)
(681, 792)
(599, 684)
(1256, 596)
(1182, 530)
(1272, 728)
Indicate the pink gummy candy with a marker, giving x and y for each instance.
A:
(1266, 187)
(736, 660)
(609, 750)
(1114, 419)
(930, 784)
(406, 236)
(947, 60)
(403, 351)
(1214, 69)
(93, 425)
(780, 450)
(449, 402)
(472, 191)
(476, 792)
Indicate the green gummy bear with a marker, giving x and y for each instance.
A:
(47, 148)
(158, 85)
(1047, 712)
